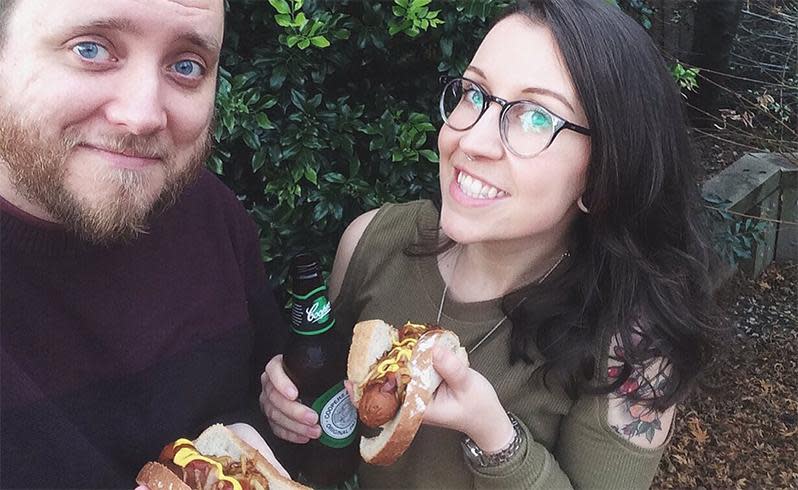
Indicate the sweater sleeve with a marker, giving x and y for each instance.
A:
(589, 454)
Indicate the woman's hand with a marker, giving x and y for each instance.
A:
(289, 419)
(467, 402)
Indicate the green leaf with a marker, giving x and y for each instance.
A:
(292, 40)
(320, 212)
(283, 20)
(394, 29)
(297, 172)
(216, 165)
(311, 175)
(304, 43)
(258, 160)
(446, 47)
(341, 34)
(320, 41)
(334, 178)
(281, 6)
(300, 21)
(251, 140)
(269, 103)
(229, 122)
(278, 77)
(298, 99)
(263, 121)
(315, 101)
(429, 155)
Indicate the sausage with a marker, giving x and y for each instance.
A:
(379, 403)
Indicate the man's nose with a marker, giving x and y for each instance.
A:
(138, 103)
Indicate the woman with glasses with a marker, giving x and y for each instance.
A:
(566, 254)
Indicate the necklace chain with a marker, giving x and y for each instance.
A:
(500, 322)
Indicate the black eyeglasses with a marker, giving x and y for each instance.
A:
(526, 128)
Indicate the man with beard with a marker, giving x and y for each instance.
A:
(134, 305)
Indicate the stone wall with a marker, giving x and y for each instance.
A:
(763, 185)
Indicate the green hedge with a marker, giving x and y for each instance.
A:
(328, 108)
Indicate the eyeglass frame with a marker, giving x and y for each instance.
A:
(560, 123)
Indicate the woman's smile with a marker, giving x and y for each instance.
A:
(470, 190)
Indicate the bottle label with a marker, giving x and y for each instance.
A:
(337, 417)
(311, 313)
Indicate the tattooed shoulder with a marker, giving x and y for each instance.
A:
(633, 420)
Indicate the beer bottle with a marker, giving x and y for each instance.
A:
(315, 360)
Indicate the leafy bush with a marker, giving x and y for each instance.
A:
(733, 237)
(328, 108)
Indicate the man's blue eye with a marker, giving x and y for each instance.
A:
(90, 51)
(188, 68)
(536, 121)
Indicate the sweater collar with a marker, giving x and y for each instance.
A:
(33, 235)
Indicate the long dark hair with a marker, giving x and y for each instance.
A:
(639, 266)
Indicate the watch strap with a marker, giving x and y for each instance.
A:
(481, 459)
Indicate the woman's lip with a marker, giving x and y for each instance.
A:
(120, 160)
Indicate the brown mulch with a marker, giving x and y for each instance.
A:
(744, 433)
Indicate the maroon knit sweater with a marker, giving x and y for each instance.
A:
(109, 353)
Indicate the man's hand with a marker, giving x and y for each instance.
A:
(289, 419)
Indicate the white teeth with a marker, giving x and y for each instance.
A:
(476, 189)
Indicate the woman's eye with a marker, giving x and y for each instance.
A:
(475, 97)
(188, 69)
(91, 51)
(536, 120)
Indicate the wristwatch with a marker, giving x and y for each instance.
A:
(480, 459)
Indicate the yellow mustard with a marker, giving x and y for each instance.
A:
(186, 455)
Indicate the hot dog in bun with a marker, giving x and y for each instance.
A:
(393, 382)
(218, 459)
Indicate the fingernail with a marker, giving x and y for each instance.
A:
(292, 394)
(310, 417)
(314, 432)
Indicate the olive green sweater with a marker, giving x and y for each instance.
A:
(568, 443)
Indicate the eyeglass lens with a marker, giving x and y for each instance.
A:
(526, 127)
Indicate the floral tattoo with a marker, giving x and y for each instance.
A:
(643, 420)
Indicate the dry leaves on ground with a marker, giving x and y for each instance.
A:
(744, 434)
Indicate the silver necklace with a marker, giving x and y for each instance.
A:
(499, 324)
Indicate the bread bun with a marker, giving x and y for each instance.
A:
(371, 339)
(217, 441)
(156, 476)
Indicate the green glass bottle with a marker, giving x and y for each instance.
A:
(315, 360)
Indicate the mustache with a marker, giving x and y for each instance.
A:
(149, 146)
